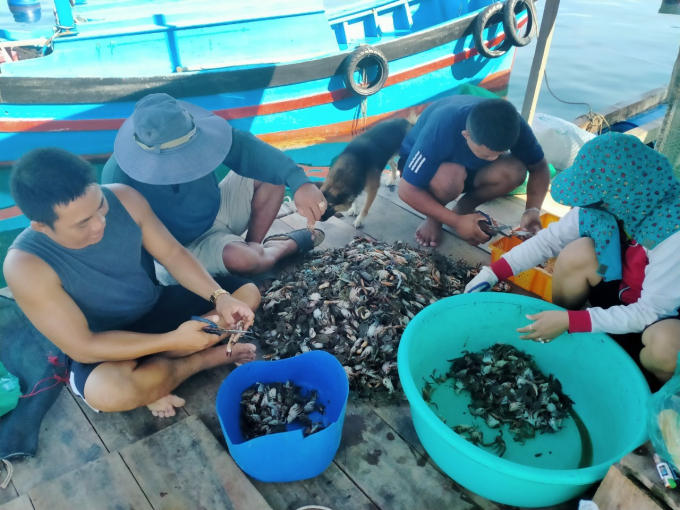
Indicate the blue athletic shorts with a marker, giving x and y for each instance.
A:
(174, 307)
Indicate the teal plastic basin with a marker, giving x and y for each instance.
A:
(609, 391)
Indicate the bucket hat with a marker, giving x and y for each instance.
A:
(166, 141)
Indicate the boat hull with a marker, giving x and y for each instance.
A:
(290, 105)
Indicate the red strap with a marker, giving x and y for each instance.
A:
(52, 360)
(501, 269)
(579, 321)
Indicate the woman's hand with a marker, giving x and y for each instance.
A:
(547, 326)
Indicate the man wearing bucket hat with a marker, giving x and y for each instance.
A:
(168, 150)
(617, 248)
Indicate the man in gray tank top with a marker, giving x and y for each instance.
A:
(77, 274)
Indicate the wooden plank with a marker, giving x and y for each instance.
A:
(200, 393)
(103, 484)
(619, 493)
(627, 109)
(648, 132)
(67, 442)
(389, 222)
(183, 466)
(640, 465)
(118, 430)
(278, 227)
(391, 473)
(540, 59)
(398, 417)
(10, 493)
(21, 503)
(331, 489)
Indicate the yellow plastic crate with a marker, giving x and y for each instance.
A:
(536, 280)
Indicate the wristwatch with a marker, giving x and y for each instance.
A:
(532, 209)
(216, 294)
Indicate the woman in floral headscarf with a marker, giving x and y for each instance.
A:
(619, 248)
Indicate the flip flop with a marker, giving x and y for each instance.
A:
(302, 237)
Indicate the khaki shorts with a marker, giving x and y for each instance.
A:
(236, 194)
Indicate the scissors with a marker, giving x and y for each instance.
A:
(495, 228)
(214, 329)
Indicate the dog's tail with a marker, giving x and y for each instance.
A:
(412, 117)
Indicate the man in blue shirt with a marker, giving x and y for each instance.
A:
(460, 145)
(168, 150)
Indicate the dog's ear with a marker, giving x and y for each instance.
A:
(318, 184)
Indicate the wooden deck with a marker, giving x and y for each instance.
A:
(133, 460)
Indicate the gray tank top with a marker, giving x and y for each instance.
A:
(106, 280)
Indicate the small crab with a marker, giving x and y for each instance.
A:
(427, 392)
(294, 412)
(479, 411)
(492, 422)
(462, 429)
(498, 444)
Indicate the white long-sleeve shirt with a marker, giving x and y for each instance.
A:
(660, 294)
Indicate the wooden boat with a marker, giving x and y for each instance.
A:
(275, 70)
(304, 76)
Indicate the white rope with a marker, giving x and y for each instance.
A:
(10, 471)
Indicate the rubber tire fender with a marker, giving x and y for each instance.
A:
(350, 64)
(478, 27)
(510, 21)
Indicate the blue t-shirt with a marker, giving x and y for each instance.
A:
(437, 138)
(188, 210)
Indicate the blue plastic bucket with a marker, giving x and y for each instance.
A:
(609, 391)
(287, 456)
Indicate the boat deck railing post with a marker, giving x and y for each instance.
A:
(540, 59)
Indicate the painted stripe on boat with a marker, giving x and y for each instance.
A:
(337, 132)
(52, 125)
(10, 212)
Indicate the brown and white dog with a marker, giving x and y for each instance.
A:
(360, 166)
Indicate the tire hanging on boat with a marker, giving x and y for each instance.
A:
(365, 53)
(512, 8)
(480, 23)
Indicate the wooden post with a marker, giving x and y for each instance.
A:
(668, 141)
(540, 59)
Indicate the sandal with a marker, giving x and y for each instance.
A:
(302, 237)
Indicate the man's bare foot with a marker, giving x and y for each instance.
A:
(165, 407)
(242, 353)
(429, 233)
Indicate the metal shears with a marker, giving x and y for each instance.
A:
(214, 329)
(494, 227)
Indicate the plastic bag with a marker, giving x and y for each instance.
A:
(9, 391)
(663, 420)
(561, 140)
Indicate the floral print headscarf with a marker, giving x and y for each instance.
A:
(617, 177)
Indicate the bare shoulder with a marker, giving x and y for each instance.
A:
(125, 194)
(23, 271)
(132, 200)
